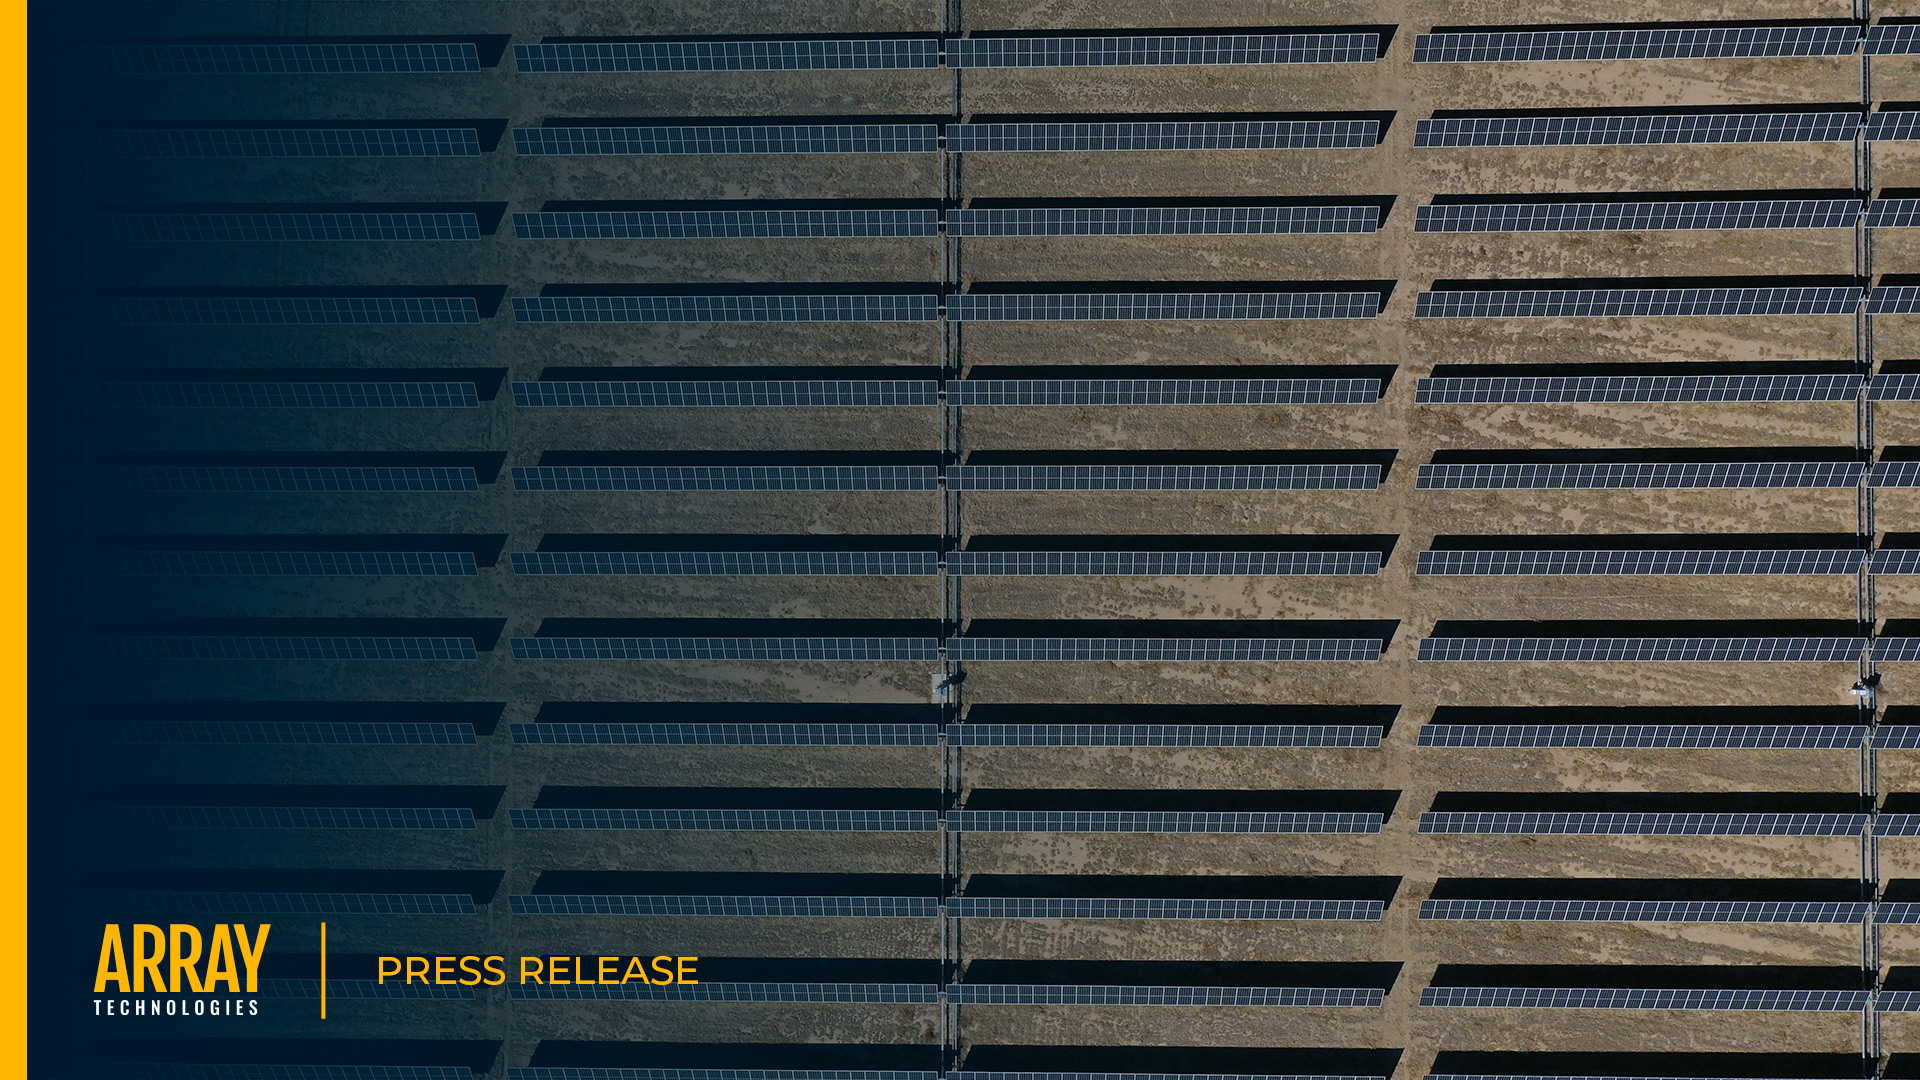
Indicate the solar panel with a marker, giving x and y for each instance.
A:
(685, 563)
(771, 307)
(1894, 299)
(698, 734)
(598, 1072)
(1648, 736)
(231, 228)
(1152, 563)
(1892, 39)
(281, 310)
(859, 54)
(1221, 735)
(1309, 822)
(1162, 220)
(1163, 477)
(1636, 129)
(750, 907)
(286, 732)
(1164, 391)
(1894, 474)
(723, 224)
(1708, 911)
(1637, 216)
(283, 395)
(1164, 50)
(725, 478)
(289, 563)
(878, 649)
(1898, 1001)
(1897, 561)
(292, 903)
(1893, 126)
(1896, 649)
(1183, 996)
(290, 142)
(1647, 649)
(285, 817)
(1901, 737)
(1538, 476)
(244, 647)
(824, 993)
(1665, 43)
(167, 1070)
(1115, 307)
(1896, 825)
(305, 58)
(1588, 303)
(237, 478)
(728, 820)
(1896, 913)
(1629, 388)
(1163, 135)
(1103, 907)
(1893, 387)
(728, 139)
(1108, 649)
(1637, 562)
(1893, 213)
(1620, 997)
(969, 1074)
(349, 989)
(730, 394)
(1514, 823)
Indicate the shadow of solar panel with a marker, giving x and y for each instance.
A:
(1616, 997)
(1636, 129)
(1892, 39)
(1046, 650)
(1648, 736)
(728, 563)
(1627, 388)
(1164, 391)
(1162, 220)
(360, 989)
(238, 647)
(794, 307)
(1665, 43)
(1223, 735)
(288, 563)
(239, 478)
(1530, 476)
(1185, 996)
(1893, 213)
(1670, 911)
(838, 393)
(1640, 562)
(1649, 650)
(824, 993)
(229, 228)
(697, 734)
(732, 907)
(285, 817)
(280, 310)
(723, 224)
(283, 732)
(1894, 299)
(283, 395)
(1103, 907)
(1116, 307)
(1278, 822)
(862, 54)
(306, 58)
(291, 903)
(1163, 477)
(314, 142)
(1164, 50)
(1158, 563)
(1637, 216)
(725, 477)
(728, 139)
(728, 820)
(876, 649)
(1890, 126)
(167, 1070)
(1521, 823)
(1641, 303)
(1163, 135)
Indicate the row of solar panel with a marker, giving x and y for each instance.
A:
(1668, 649)
(927, 307)
(959, 563)
(1525, 823)
(1534, 476)
(745, 393)
(1132, 50)
(1678, 736)
(958, 477)
(963, 907)
(1166, 735)
(1656, 129)
(976, 649)
(1663, 388)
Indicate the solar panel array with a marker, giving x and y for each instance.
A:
(1524, 823)
(873, 649)
(611, 1073)
(1112, 307)
(1144, 563)
(1894, 299)
(1892, 39)
(285, 817)
(1893, 213)
(1636, 561)
(182, 394)
(1637, 216)
(1636, 129)
(167, 1070)
(1115, 649)
(720, 734)
(876, 138)
(723, 224)
(1687, 42)
(1591, 303)
(1638, 388)
(1894, 474)
(261, 227)
(750, 907)
(859, 54)
(1221, 735)
(731, 393)
(776, 307)
(1161, 135)
(1649, 736)
(1893, 387)
(1711, 911)
(1163, 220)
(1164, 50)
(1163, 477)
(725, 478)
(287, 733)
(263, 478)
(1101, 907)
(290, 563)
(281, 310)
(1183, 996)
(1028, 392)
(1645, 649)
(292, 903)
(304, 58)
(1896, 561)
(1305, 822)
(289, 142)
(1539, 476)
(1617, 997)
(1893, 126)
(242, 647)
(824, 993)
(727, 820)
(683, 563)
(352, 989)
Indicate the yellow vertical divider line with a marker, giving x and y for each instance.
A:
(323, 971)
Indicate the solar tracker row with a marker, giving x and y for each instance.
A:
(727, 820)
(1636, 129)
(286, 733)
(826, 993)
(305, 58)
(1648, 736)
(876, 649)
(1163, 477)
(1184, 996)
(237, 478)
(1167, 50)
(1102, 907)
(283, 395)
(1111, 307)
(289, 142)
(1896, 649)
(1636, 561)
(1894, 300)
(1523, 823)
(598, 1072)
(789, 307)
(290, 563)
(281, 310)
(1590, 303)
(1901, 737)
(228, 228)
(239, 647)
(1894, 474)
(1894, 387)
(725, 478)
(1645, 649)
(699, 734)
(1637, 216)
(728, 139)
(286, 817)
(168, 1070)
(1157, 135)
(1712, 911)
(989, 649)
(292, 903)
(1896, 913)
(1892, 39)
(1164, 391)
(1893, 126)
(1897, 561)
(350, 989)
(718, 224)
(1163, 220)
(866, 54)
(1307, 822)
(731, 393)
(1894, 1001)
(685, 563)
(1149, 563)
(750, 907)
(1630, 388)
(1618, 997)
(1896, 825)
(1223, 735)
(1894, 213)
(1691, 42)
(1537, 476)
